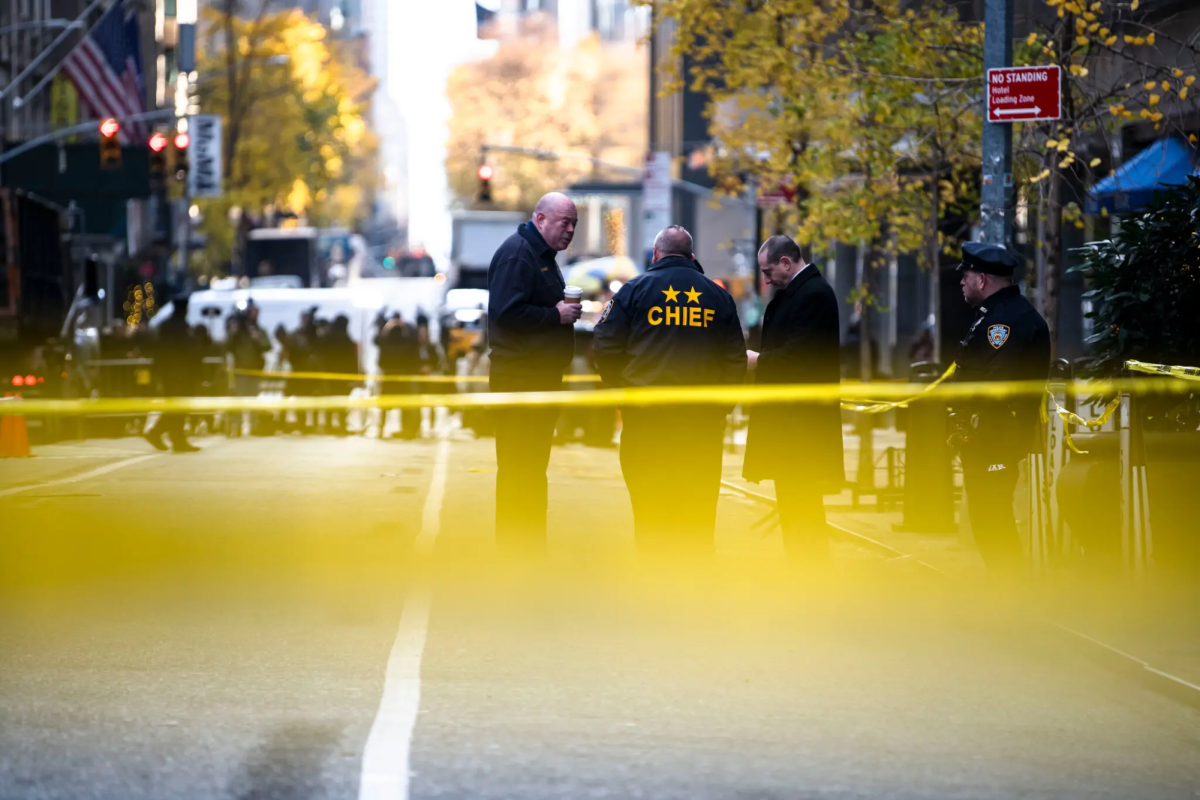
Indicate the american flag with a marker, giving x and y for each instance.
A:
(106, 68)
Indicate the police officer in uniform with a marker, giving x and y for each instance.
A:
(672, 326)
(1008, 341)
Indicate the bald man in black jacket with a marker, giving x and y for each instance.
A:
(532, 338)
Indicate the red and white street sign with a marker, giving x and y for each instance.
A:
(782, 195)
(1023, 94)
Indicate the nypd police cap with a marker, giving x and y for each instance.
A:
(991, 259)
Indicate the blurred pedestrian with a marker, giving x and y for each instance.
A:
(177, 364)
(530, 330)
(397, 346)
(339, 354)
(797, 445)
(672, 326)
(1008, 341)
(248, 343)
(208, 385)
(431, 362)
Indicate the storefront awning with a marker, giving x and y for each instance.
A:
(1167, 161)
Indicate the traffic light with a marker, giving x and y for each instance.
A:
(158, 156)
(485, 183)
(110, 146)
(182, 140)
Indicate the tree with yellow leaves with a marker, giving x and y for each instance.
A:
(1120, 66)
(869, 112)
(587, 103)
(296, 135)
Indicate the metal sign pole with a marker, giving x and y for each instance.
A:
(997, 137)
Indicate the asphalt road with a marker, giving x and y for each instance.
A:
(250, 620)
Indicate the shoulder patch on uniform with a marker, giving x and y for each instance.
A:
(607, 308)
(997, 335)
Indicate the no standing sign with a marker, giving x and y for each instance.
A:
(1024, 94)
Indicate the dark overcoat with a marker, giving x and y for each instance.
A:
(799, 346)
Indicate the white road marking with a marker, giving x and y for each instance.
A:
(386, 756)
(95, 473)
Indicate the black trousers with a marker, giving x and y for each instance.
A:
(671, 461)
(523, 440)
(801, 508)
(170, 424)
(410, 418)
(989, 481)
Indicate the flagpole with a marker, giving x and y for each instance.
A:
(62, 37)
(49, 76)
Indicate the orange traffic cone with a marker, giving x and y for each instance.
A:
(14, 438)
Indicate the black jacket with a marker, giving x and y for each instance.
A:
(1008, 341)
(671, 326)
(524, 329)
(177, 358)
(799, 345)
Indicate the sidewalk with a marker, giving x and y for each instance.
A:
(1148, 627)
(1150, 622)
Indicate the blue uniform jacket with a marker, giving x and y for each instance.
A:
(1008, 341)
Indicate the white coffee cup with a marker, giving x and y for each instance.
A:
(572, 294)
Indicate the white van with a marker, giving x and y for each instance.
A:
(361, 303)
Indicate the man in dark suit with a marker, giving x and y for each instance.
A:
(531, 333)
(799, 446)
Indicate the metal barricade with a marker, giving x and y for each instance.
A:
(1137, 538)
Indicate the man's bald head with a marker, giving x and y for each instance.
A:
(554, 201)
(673, 240)
(555, 218)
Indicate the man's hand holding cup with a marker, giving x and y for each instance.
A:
(571, 307)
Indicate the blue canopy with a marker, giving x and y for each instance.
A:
(1167, 161)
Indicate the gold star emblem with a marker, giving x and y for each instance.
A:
(693, 296)
(672, 294)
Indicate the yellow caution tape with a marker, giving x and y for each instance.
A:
(1186, 373)
(747, 394)
(362, 378)
(1070, 418)
(878, 407)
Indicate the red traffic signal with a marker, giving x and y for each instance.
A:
(158, 141)
(485, 182)
(182, 140)
(110, 146)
